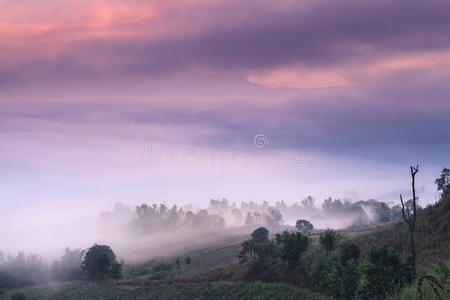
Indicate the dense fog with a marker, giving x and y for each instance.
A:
(152, 230)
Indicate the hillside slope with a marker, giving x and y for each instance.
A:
(432, 235)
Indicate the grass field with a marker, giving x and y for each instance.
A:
(163, 290)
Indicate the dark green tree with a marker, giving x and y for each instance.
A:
(100, 263)
(291, 247)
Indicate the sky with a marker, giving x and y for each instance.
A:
(170, 101)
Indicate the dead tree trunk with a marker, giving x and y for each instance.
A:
(409, 215)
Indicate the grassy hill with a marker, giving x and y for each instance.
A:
(432, 235)
(214, 272)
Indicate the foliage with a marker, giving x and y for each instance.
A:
(162, 267)
(348, 251)
(329, 240)
(339, 273)
(432, 236)
(132, 272)
(257, 254)
(339, 279)
(258, 251)
(100, 263)
(345, 276)
(443, 182)
(304, 226)
(383, 273)
(438, 287)
(291, 246)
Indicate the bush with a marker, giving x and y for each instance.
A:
(100, 263)
(383, 273)
(339, 273)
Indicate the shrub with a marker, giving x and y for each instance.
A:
(383, 273)
(340, 273)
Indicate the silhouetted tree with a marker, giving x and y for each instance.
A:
(69, 267)
(274, 218)
(443, 182)
(100, 263)
(260, 235)
(304, 226)
(257, 251)
(409, 215)
(308, 202)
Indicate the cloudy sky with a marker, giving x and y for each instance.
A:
(181, 101)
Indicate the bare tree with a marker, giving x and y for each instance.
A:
(409, 215)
